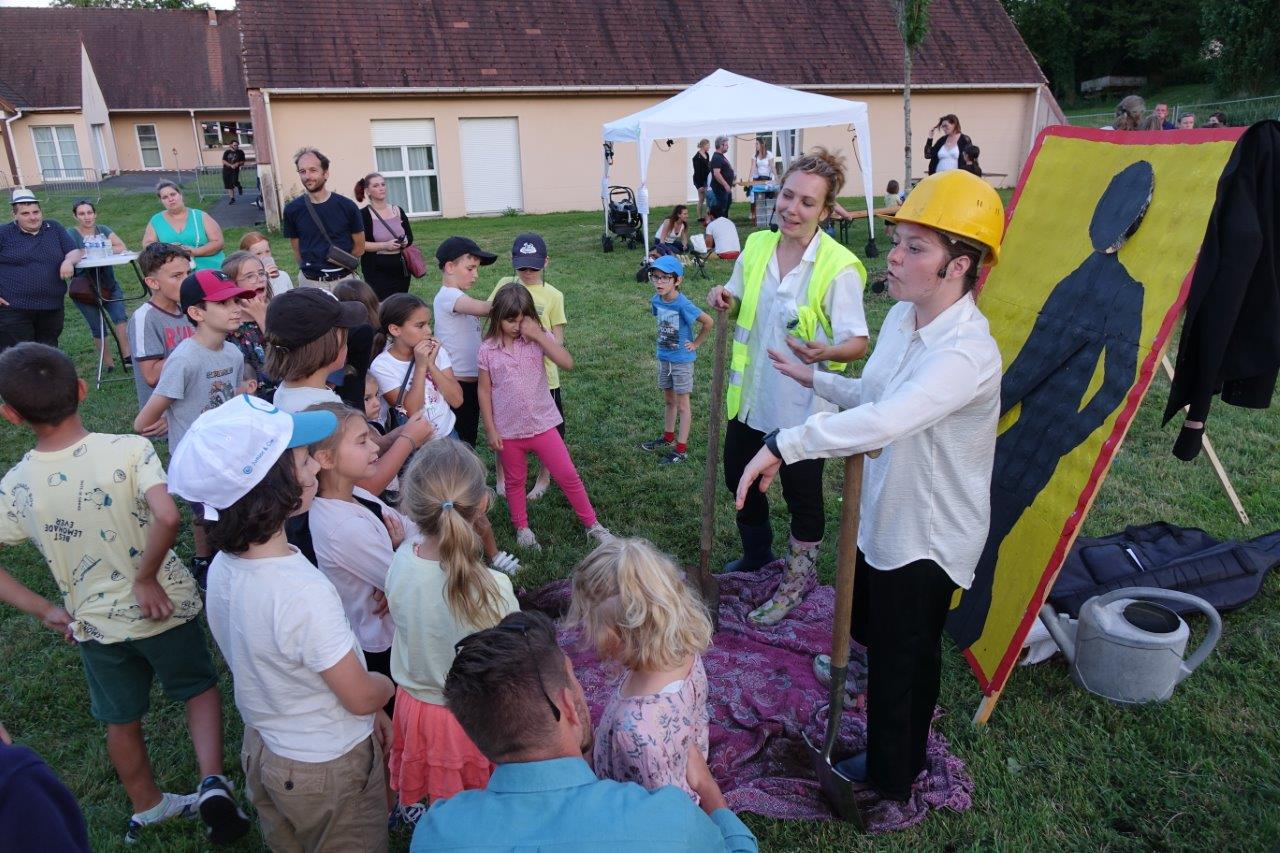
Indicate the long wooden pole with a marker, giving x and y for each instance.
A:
(707, 583)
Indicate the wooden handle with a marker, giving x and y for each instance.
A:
(846, 559)
(714, 421)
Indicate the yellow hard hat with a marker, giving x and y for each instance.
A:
(959, 203)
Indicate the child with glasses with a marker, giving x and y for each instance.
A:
(635, 609)
(249, 273)
(438, 591)
(677, 348)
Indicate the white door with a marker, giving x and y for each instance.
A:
(491, 164)
(149, 146)
(99, 148)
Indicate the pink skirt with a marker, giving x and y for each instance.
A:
(431, 756)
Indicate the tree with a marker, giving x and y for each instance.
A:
(913, 25)
(1243, 45)
(130, 4)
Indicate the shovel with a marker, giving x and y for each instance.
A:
(836, 787)
(707, 585)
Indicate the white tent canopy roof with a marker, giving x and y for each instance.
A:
(728, 103)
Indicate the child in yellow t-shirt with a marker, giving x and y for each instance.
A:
(99, 510)
(529, 257)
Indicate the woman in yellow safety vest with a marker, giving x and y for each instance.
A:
(793, 287)
(929, 396)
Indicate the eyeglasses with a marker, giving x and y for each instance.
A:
(255, 275)
(659, 278)
(522, 630)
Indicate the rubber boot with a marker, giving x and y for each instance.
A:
(757, 548)
(802, 562)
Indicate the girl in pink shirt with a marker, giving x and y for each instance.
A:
(519, 415)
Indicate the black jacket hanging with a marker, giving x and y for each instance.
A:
(1231, 335)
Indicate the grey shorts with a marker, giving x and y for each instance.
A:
(675, 375)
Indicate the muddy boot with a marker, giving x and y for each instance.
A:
(802, 564)
(757, 542)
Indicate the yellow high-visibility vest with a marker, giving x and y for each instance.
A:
(830, 260)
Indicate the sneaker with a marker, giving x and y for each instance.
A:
(406, 815)
(170, 806)
(600, 533)
(232, 201)
(674, 458)
(654, 444)
(224, 820)
(200, 571)
(506, 563)
(526, 539)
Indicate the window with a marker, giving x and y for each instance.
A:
(149, 146)
(405, 153)
(218, 134)
(58, 152)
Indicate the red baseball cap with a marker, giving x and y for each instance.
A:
(209, 286)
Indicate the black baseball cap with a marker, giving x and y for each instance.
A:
(302, 315)
(455, 247)
(529, 252)
(208, 286)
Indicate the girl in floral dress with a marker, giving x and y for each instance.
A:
(634, 607)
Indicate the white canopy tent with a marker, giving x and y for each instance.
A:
(727, 103)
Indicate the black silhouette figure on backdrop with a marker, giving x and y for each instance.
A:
(1095, 312)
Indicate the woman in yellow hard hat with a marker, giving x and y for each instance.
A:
(929, 397)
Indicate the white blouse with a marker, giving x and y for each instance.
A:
(948, 157)
(930, 398)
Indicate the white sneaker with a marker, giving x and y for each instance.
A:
(170, 806)
(506, 563)
(526, 539)
(600, 533)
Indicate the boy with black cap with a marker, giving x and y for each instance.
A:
(458, 323)
(529, 257)
(306, 341)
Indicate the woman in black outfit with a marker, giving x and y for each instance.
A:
(386, 233)
(945, 154)
(701, 171)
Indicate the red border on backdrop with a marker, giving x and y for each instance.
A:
(1136, 393)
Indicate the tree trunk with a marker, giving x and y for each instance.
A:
(906, 116)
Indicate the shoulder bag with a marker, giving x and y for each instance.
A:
(397, 414)
(411, 256)
(81, 288)
(336, 256)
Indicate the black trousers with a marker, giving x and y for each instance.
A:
(386, 274)
(18, 325)
(801, 484)
(468, 414)
(899, 615)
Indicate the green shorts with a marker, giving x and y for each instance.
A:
(119, 674)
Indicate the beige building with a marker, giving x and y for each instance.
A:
(478, 109)
(118, 90)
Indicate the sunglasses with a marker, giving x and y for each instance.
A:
(523, 631)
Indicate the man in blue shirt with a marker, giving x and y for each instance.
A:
(514, 693)
(340, 223)
(36, 255)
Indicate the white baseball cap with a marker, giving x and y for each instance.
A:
(22, 195)
(228, 450)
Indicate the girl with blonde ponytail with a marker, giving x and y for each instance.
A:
(634, 607)
(439, 591)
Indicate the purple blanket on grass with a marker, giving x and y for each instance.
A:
(763, 697)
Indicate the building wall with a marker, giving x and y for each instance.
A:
(174, 131)
(25, 146)
(560, 141)
(94, 108)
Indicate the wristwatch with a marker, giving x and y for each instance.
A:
(771, 442)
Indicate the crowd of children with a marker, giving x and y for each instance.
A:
(340, 550)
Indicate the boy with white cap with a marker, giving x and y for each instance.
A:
(314, 731)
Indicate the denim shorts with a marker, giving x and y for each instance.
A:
(675, 375)
(112, 300)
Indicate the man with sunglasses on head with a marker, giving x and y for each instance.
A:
(515, 694)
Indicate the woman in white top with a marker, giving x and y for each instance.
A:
(762, 163)
(944, 155)
(794, 288)
(674, 230)
(929, 397)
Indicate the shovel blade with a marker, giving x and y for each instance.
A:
(838, 790)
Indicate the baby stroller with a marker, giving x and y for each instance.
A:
(623, 219)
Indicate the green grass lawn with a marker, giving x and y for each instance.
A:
(1055, 769)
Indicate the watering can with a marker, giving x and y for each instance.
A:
(1128, 648)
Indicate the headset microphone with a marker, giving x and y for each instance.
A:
(773, 226)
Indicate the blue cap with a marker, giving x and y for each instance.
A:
(310, 427)
(669, 263)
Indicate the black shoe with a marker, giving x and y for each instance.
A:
(853, 768)
(673, 458)
(232, 200)
(224, 820)
(128, 361)
(654, 443)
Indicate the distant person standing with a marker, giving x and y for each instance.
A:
(945, 154)
(232, 159)
(1218, 119)
(36, 255)
(319, 220)
(722, 176)
(1161, 113)
(386, 233)
(1128, 113)
(1187, 121)
(701, 172)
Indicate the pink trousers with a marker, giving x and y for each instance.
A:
(549, 448)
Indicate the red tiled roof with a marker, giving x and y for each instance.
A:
(575, 43)
(143, 58)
